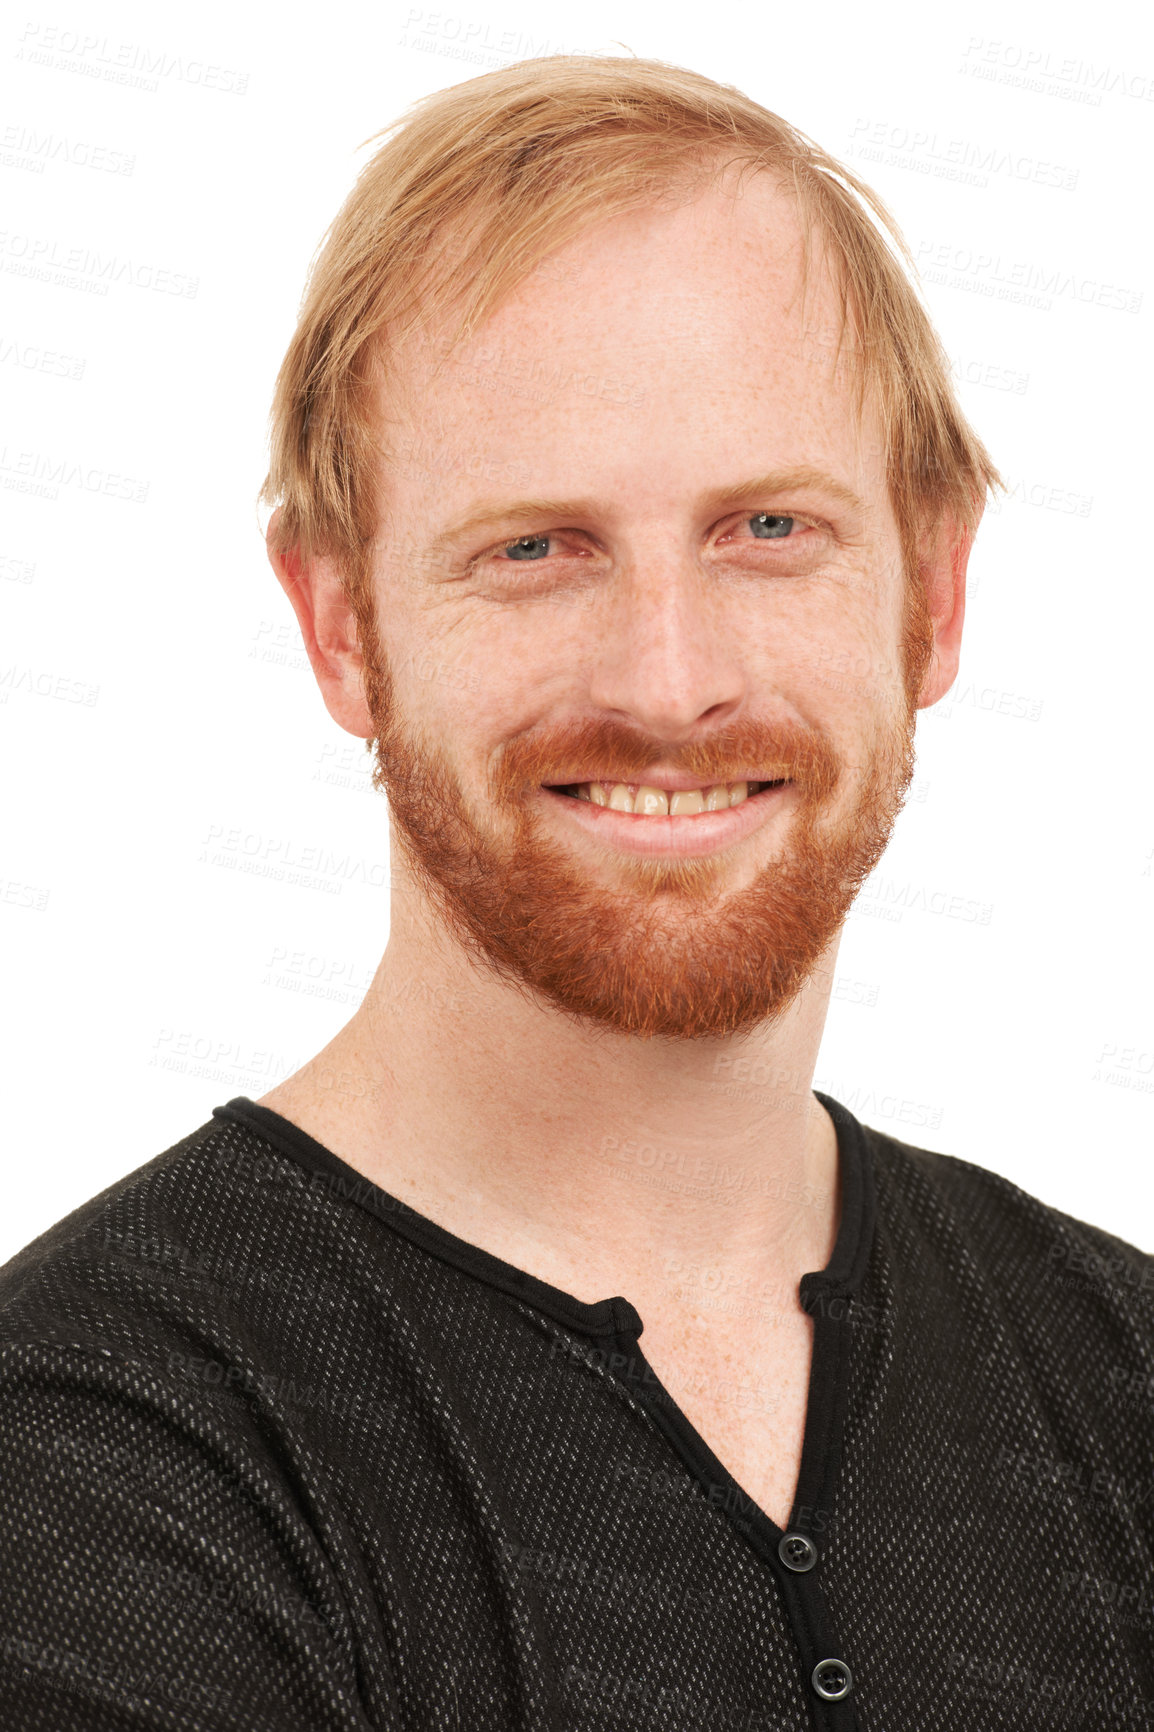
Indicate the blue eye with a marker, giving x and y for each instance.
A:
(770, 526)
(527, 547)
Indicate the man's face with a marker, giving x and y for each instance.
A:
(714, 595)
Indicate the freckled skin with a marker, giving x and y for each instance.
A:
(671, 357)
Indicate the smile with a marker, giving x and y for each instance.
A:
(648, 802)
(659, 823)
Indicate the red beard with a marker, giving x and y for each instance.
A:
(665, 951)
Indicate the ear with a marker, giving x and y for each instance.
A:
(328, 626)
(942, 569)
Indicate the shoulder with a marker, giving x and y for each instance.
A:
(147, 1245)
(223, 1249)
(220, 1277)
(951, 1225)
(988, 1275)
(148, 1457)
(99, 1236)
(924, 1185)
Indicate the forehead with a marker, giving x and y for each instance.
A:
(674, 345)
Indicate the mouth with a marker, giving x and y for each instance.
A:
(642, 800)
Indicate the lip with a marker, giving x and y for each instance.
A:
(682, 837)
(671, 783)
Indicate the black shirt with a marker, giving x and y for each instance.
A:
(279, 1452)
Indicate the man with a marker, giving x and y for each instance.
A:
(505, 1367)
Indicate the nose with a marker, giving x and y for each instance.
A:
(665, 655)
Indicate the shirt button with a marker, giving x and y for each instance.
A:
(796, 1552)
(832, 1680)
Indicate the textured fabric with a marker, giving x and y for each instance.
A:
(279, 1453)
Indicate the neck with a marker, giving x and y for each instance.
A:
(597, 1161)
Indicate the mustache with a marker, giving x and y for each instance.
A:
(601, 749)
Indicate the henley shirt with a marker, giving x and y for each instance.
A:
(281, 1454)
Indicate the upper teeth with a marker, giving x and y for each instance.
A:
(656, 803)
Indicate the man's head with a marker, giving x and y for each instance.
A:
(614, 490)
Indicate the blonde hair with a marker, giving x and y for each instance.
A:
(477, 184)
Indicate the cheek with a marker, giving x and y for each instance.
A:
(520, 660)
(844, 669)
(433, 660)
(821, 649)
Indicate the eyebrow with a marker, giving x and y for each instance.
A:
(491, 514)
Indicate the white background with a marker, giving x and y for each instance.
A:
(994, 991)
